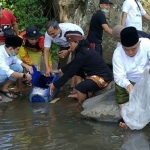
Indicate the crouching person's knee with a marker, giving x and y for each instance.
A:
(3, 77)
(17, 68)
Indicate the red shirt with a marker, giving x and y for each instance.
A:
(6, 20)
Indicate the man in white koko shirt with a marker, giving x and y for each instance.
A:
(129, 61)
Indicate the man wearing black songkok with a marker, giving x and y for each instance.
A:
(129, 61)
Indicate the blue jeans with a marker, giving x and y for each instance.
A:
(4, 77)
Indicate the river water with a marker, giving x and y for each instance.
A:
(59, 126)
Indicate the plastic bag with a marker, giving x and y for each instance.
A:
(136, 113)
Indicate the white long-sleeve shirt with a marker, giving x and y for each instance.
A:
(6, 61)
(125, 68)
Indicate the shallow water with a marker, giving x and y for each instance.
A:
(59, 126)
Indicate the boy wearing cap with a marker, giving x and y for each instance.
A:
(10, 66)
(98, 23)
(7, 19)
(129, 61)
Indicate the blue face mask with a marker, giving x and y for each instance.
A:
(105, 10)
(11, 55)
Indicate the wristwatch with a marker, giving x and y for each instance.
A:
(24, 76)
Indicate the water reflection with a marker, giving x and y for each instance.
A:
(136, 141)
(59, 126)
(41, 114)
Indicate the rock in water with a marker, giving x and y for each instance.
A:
(102, 107)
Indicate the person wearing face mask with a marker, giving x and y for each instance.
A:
(11, 67)
(98, 23)
(132, 12)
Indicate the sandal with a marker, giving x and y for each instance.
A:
(27, 83)
(7, 94)
(16, 92)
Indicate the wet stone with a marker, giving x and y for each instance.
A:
(102, 107)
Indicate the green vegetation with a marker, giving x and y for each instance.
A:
(27, 12)
(30, 12)
(54, 51)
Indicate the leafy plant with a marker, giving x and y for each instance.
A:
(27, 12)
(54, 51)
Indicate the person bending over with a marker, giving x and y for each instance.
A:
(88, 64)
(129, 61)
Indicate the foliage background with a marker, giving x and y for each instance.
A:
(32, 12)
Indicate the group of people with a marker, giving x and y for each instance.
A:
(87, 68)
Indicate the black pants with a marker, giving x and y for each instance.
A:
(98, 48)
(87, 85)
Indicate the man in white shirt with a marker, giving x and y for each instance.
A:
(10, 66)
(129, 61)
(56, 33)
(132, 12)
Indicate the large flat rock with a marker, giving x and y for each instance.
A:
(102, 107)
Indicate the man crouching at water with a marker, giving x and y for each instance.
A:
(88, 64)
(129, 61)
(10, 66)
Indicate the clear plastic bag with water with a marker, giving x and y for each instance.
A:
(136, 112)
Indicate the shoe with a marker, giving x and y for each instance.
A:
(7, 94)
